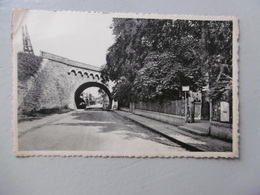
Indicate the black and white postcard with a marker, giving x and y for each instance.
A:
(124, 84)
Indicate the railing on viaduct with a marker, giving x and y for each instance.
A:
(77, 68)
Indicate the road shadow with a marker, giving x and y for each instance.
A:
(37, 115)
(128, 129)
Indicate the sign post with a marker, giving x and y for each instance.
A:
(185, 89)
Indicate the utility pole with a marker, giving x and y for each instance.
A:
(186, 107)
(185, 89)
(27, 45)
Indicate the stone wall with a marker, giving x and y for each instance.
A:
(47, 84)
(221, 130)
(28, 68)
(47, 88)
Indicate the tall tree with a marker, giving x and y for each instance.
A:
(151, 59)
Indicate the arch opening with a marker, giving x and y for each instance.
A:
(79, 72)
(92, 75)
(72, 71)
(79, 100)
(97, 77)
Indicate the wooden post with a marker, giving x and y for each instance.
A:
(186, 108)
(210, 110)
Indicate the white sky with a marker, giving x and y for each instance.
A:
(77, 36)
(93, 91)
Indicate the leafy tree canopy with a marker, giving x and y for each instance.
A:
(151, 59)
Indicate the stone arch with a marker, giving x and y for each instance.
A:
(92, 75)
(86, 85)
(97, 76)
(72, 71)
(85, 73)
(79, 72)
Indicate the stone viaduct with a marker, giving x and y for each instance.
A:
(55, 82)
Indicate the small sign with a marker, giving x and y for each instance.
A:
(224, 112)
(185, 88)
(205, 88)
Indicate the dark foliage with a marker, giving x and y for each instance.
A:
(151, 59)
(28, 65)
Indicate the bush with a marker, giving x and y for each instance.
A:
(28, 65)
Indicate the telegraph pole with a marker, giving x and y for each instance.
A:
(185, 89)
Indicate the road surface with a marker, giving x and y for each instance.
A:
(89, 130)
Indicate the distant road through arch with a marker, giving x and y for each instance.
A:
(86, 85)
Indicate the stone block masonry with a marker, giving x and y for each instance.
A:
(221, 130)
(49, 84)
(45, 88)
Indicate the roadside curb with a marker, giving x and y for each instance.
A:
(183, 144)
(194, 131)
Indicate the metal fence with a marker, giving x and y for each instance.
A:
(176, 107)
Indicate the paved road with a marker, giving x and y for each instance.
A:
(90, 131)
